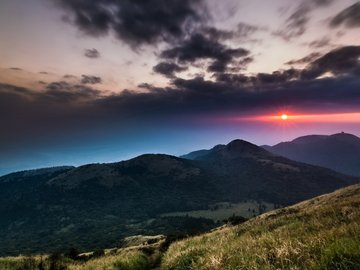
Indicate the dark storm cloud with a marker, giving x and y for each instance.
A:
(87, 79)
(199, 96)
(305, 60)
(344, 60)
(92, 53)
(234, 79)
(168, 69)
(296, 23)
(136, 22)
(277, 77)
(65, 92)
(200, 47)
(350, 17)
(340, 61)
(258, 80)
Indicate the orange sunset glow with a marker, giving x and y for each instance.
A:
(324, 118)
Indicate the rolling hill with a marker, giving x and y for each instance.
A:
(339, 152)
(96, 205)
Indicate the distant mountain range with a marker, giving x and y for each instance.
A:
(339, 152)
(95, 205)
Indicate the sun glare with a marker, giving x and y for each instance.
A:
(321, 118)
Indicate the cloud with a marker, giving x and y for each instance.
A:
(350, 17)
(87, 79)
(200, 47)
(277, 77)
(320, 43)
(69, 76)
(340, 61)
(168, 69)
(92, 53)
(244, 30)
(135, 22)
(217, 34)
(235, 79)
(16, 69)
(296, 23)
(344, 60)
(197, 95)
(65, 92)
(305, 60)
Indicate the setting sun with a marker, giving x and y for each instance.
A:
(284, 117)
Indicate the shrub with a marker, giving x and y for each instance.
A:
(235, 220)
(98, 253)
(72, 253)
(56, 262)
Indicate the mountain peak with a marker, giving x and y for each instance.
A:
(244, 147)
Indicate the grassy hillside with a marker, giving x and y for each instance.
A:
(322, 233)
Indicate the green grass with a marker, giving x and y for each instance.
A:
(10, 263)
(320, 234)
(138, 261)
(20, 263)
(122, 260)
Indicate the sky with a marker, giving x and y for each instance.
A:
(107, 80)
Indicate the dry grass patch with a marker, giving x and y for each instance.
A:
(319, 234)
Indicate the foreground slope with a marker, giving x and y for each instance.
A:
(339, 152)
(321, 233)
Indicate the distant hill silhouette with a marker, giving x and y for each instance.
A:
(340, 152)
